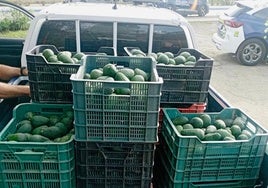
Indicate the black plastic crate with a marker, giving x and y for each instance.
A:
(188, 83)
(49, 82)
(105, 164)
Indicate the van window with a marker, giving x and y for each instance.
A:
(132, 35)
(59, 33)
(94, 35)
(168, 38)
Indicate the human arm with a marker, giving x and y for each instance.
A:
(8, 72)
(10, 91)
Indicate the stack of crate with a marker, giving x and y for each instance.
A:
(115, 134)
(34, 163)
(186, 87)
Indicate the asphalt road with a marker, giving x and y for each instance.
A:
(243, 87)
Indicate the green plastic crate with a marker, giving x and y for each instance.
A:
(111, 117)
(190, 159)
(49, 82)
(36, 164)
(114, 164)
(163, 179)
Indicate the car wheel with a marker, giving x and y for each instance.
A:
(251, 52)
(202, 10)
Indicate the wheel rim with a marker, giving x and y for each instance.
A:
(252, 53)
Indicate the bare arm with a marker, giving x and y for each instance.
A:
(10, 91)
(8, 72)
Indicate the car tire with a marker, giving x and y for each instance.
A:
(202, 10)
(251, 52)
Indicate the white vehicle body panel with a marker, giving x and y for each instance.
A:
(106, 12)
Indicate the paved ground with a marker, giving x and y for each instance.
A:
(242, 86)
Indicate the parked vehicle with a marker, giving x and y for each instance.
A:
(184, 7)
(189, 7)
(241, 30)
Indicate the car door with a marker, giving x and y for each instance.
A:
(14, 23)
(12, 33)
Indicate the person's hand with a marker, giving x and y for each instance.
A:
(23, 71)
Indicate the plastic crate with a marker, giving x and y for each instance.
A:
(36, 164)
(128, 49)
(190, 159)
(111, 117)
(186, 84)
(163, 179)
(184, 108)
(49, 82)
(113, 165)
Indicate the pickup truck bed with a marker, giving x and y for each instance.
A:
(11, 50)
(215, 103)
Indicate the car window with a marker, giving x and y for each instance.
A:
(168, 38)
(263, 14)
(13, 23)
(94, 35)
(135, 35)
(52, 32)
(236, 10)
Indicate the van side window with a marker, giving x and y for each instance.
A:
(132, 35)
(94, 35)
(168, 38)
(59, 33)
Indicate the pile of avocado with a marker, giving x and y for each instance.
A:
(62, 57)
(40, 128)
(184, 58)
(205, 129)
(110, 72)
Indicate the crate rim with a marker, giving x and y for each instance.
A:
(215, 113)
(31, 143)
(48, 63)
(127, 49)
(74, 78)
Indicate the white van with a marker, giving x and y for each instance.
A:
(86, 27)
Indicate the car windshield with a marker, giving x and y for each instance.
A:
(236, 10)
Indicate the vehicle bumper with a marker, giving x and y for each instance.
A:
(226, 46)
